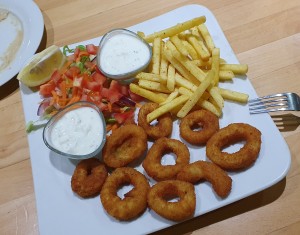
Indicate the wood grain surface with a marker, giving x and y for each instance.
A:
(265, 34)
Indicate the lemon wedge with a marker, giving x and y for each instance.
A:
(41, 66)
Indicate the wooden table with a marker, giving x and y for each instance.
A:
(265, 34)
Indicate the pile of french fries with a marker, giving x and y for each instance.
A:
(185, 72)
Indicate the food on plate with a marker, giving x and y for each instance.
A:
(195, 97)
(202, 170)
(79, 79)
(232, 134)
(134, 202)
(41, 66)
(159, 199)
(124, 145)
(163, 127)
(175, 29)
(233, 95)
(149, 95)
(168, 107)
(88, 177)
(78, 130)
(203, 119)
(152, 163)
(122, 52)
(188, 56)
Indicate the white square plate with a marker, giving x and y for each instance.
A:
(62, 212)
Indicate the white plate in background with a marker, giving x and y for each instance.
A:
(24, 26)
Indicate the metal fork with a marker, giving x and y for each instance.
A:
(276, 102)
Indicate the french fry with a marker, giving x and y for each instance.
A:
(179, 45)
(201, 102)
(156, 55)
(153, 86)
(199, 47)
(225, 75)
(149, 76)
(203, 64)
(171, 97)
(192, 52)
(235, 68)
(182, 82)
(179, 67)
(215, 63)
(169, 32)
(207, 37)
(195, 32)
(166, 108)
(189, 65)
(233, 95)
(215, 94)
(163, 72)
(196, 95)
(171, 78)
(152, 96)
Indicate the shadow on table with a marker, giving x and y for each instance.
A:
(13, 84)
(286, 122)
(257, 200)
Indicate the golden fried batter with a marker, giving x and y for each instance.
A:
(202, 170)
(134, 202)
(231, 134)
(124, 145)
(164, 125)
(162, 191)
(88, 177)
(208, 122)
(152, 163)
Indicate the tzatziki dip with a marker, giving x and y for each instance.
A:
(78, 131)
(123, 53)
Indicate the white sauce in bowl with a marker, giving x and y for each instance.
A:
(123, 53)
(78, 132)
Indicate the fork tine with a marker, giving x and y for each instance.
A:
(266, 97)
(262, 102)
(263, 106)
(257, 111)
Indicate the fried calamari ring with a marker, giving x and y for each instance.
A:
(200, 170)
(162, 191)
(134, 202)
(164, 125)
(232, 134)
(124, 145)
(152, 163)
(208, 122)
(88, 177)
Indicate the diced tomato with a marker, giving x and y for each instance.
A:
(115, 85)
(92, 49)
(98, 77)
(125, 90)
(55, 77)
(122, 117)
(105, 92)
(114, 95)
(93, 86)
(45, 89)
